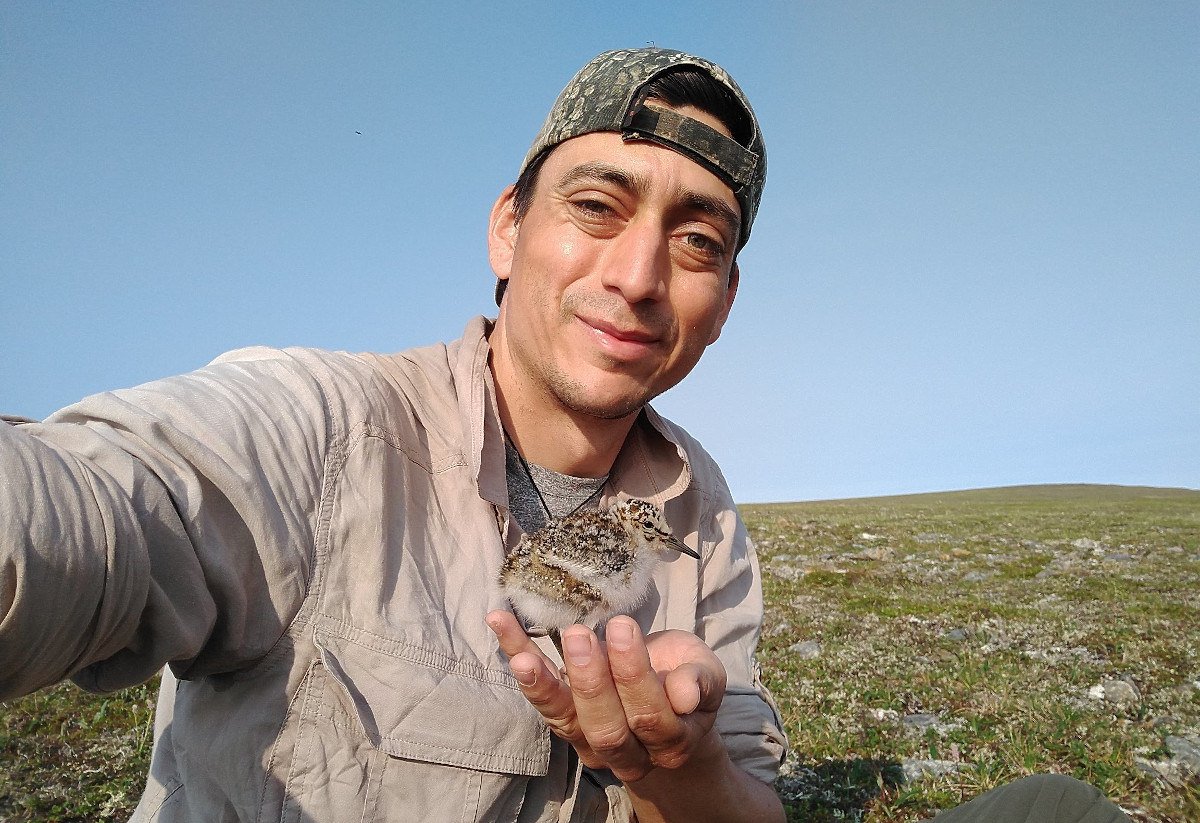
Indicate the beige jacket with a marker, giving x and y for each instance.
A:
(311, 541)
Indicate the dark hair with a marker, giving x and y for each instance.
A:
(690, 87)
(684, 86)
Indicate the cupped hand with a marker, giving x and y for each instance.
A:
(630, 704)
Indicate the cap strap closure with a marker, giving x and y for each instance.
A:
(721, 155)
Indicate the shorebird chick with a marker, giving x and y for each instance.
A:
(588, 566)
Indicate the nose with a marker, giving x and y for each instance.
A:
(638, 263)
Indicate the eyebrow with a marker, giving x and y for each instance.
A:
(692, 200)
(715, 208)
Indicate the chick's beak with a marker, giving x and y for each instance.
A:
(678, 546)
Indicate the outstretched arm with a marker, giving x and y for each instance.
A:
(644, 708)
(159, 524)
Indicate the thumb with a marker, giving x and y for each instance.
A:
(691, 687)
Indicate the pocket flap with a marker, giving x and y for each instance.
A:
(424, 705)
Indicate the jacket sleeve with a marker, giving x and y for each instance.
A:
(171, 523)
(729, 620)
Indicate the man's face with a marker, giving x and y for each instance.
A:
(619, 274)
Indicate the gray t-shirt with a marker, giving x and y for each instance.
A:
(563, 493)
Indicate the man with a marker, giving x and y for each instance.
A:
(310, 541)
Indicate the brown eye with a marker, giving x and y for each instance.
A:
(593, 208)
(704, 243)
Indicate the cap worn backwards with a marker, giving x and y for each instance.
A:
(608, 94)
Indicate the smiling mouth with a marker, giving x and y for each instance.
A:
(628, 336)
(634, 338)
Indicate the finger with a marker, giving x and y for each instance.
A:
(640, 687)
(545, 692)
(696, 675)
(539, 682)
(649, 710)
(686, 687)
(513, 639)
(601, 715)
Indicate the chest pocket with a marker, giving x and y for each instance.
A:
(406, 733)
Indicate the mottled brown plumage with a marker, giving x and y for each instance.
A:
(588, 566)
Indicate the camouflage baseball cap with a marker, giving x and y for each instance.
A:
(608, 94)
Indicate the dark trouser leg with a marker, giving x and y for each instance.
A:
(1042, 798)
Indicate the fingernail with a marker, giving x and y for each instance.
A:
(526, 677)
(577, 648)
(620, 635)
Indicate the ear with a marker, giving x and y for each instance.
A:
(502, 234)
(730, 293)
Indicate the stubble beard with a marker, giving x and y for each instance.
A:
(579, 398)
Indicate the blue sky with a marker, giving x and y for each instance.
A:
(977, 261)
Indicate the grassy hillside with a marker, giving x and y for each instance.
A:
(970, 638)
(921, 648)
